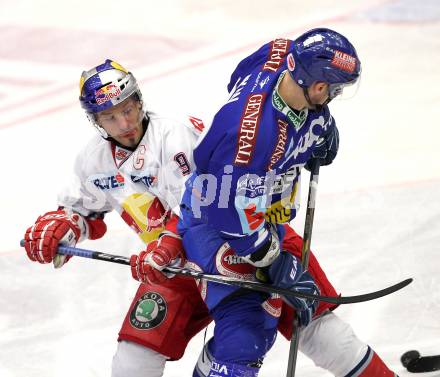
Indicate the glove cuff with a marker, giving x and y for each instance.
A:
(81, 224)
(171, 243)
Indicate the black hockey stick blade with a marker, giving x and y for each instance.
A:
(424, 364)
(415, 363)
(268, 288)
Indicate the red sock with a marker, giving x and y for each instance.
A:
(371, 366)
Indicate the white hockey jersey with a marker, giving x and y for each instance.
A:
(138, 184)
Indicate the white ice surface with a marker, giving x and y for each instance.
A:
(378, 209)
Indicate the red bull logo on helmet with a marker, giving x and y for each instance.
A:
(106, 93)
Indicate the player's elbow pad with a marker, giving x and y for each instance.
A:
(266, 254)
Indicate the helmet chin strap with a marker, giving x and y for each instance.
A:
(102, 131)
(314, 106)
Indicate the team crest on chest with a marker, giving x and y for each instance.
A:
(120, 155)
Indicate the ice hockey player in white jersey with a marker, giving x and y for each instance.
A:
(135, 167)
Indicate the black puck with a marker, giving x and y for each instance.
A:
(409, 356)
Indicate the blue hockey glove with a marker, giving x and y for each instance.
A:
(325, 149)
(287, 272)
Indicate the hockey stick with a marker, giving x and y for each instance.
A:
(305, 253)
(249, 284)
(415, 363)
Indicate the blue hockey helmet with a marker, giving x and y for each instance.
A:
(105, 86)
(324, 55)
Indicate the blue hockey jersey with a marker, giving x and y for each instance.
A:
(249, 160)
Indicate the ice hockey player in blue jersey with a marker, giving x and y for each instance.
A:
(244, 192)
(267, 132)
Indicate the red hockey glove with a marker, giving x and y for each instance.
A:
(148, 265)
(51, 229)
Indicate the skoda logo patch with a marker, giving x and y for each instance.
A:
(149, 312)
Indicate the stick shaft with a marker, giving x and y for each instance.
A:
(248, 284)
(305, 253)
